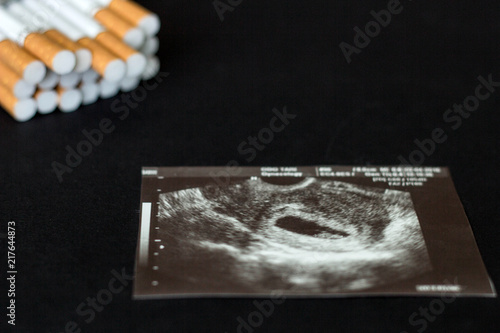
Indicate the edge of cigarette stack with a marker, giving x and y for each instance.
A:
(151, 46)
(31, 69)
(137, 15)
(130, 34)
(135, 60)
(129, 83)
(152, 69)
(13, 81)
(20, 109)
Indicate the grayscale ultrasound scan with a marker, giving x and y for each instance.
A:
(303, 234)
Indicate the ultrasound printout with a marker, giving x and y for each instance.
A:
(304, 231)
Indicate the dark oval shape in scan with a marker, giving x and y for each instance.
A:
(304, 227)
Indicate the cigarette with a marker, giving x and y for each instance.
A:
(50, 81)
(135, 14)
(152, 68)
(19, 109)
(85, 29)
(130, 34)
(28, 67)
(25, 13)
(54, 56)
(83, 55)
(70, 80)
(69, 99)
(46, 101)
(91, 92)
(107, 64)
(135, 60)
(90, 76)
(129, 83)
(11, 80)
(151, 46)
(108, 89)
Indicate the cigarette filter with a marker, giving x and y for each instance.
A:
(136, 61)
(57, 58)
(46, 101)
(90, 76)
(151, 46)
(11, 80)
(69, 99)
(137, 15)
(131, 35)
(50, 81)
(83, 55)
(152, 69)
(129, 83)
(108, 89)
(91, 92)
(20, 109)
(70, 80)
(104, 62)
(23, 63)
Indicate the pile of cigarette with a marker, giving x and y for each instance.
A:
(60, 54)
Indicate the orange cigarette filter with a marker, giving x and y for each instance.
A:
(112, 43)
(101, 57)
(43, 48)
(17, 58)
(83, 55)
(63, 40)
(113, 22)
(135, 61)
(7, 99)
(8, 77)
(129, 10)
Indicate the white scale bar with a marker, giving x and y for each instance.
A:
(144, 237)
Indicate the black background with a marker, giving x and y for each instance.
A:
(225, 79)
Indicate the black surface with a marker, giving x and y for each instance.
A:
(225, 79)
